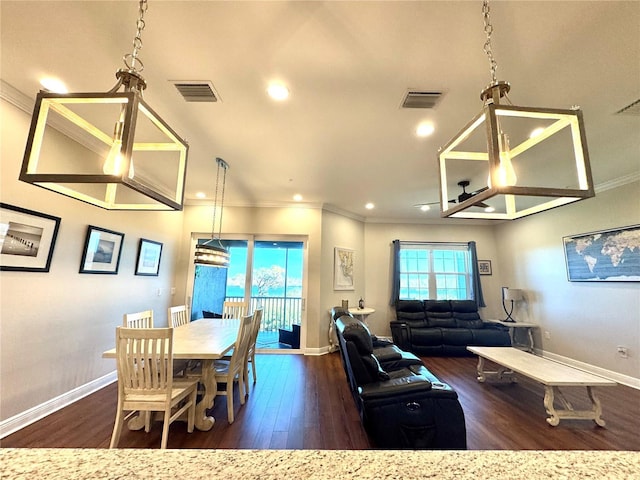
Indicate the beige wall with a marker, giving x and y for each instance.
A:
(586, 321)
(378, 238)
(340, 231)
(54, 326)
(279, 221)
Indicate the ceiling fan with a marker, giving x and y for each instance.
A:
(466, 195)
(461, 198)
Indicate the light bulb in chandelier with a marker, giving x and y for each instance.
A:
(505, 174)
(114, 163)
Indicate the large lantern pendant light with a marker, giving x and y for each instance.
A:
(212, 253)
(84, 145)
(519, 160)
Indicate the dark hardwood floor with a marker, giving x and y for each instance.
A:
(304, 402)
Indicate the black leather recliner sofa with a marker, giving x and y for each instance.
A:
(444, 327)
(402, 404)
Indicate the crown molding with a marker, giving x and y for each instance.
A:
(16, 98)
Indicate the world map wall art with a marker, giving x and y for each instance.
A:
(604, 256)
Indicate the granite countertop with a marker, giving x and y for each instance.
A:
(71, 464)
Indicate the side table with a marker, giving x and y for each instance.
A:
(512, 327)
(362, 313)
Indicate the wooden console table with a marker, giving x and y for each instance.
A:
(552, 375)
(512, 333)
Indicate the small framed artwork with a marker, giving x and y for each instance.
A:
(27, 239)
(343, 269)
(149, 253)
(484, 267)
(604, 256)
(102, 249)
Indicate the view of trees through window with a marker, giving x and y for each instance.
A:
(276, 282)
(435, 271)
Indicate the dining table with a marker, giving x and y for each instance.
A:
(204, 340)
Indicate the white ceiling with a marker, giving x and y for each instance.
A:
(341, 139)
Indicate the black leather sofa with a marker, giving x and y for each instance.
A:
(402, 404)
(444, 327)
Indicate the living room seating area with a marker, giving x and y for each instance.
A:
(401, 403)
(444, 327)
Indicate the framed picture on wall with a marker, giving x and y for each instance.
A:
(27, 239)
(484, 267)
(149, 253)
(102, 249)
(343, 269)
(604, 255)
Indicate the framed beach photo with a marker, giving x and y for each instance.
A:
(604, 256)
(149, 253)
(343, 269)
(102, 249)
(27, 239)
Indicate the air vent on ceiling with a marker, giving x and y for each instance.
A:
(196, 91)
(421, 99)
(631, 109)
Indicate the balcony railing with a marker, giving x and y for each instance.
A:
(278, 312)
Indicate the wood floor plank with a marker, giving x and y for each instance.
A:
(305, 402)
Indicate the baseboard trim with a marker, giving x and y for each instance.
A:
(23, 419)
(618, 377)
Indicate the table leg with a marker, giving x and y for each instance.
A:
(554, 419)
(137, 422)
(568, 412)
(480, 370)
(597, 407)
(208, 380)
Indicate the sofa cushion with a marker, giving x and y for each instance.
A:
(426, 336)
(411, 312)
(355, 331)
(465, 314)
(491, 337)
(438, 313)
(456, 336)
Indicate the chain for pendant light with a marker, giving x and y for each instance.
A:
(221, 165)
(488, 30)
(137, 41)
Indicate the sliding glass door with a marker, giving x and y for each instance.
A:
(268, 273)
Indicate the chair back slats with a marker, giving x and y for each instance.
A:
(178, 316)
(255, 329)
(242, 343)
(234, 309)
(138, 320)
(144, 359)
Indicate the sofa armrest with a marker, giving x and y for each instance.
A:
(401, 334)
(494, 326)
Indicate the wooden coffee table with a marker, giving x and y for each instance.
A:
(552, 375)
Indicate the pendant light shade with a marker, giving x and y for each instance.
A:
(109, 149)
(212, 253)
(518, 160)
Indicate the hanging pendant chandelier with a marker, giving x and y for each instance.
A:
(519, 160)
(212, 253)
(108, 149)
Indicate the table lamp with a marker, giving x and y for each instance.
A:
(512, 295)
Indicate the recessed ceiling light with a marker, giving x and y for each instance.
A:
(489, 209)
(54, 85)
(369, 206)
(201, 195)
(278, 91)
(425, 129)
(297, 197)
(425, 208)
